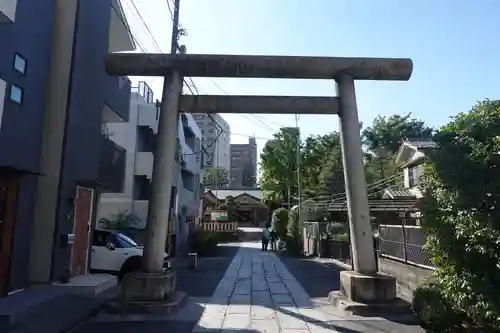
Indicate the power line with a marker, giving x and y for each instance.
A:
(155, 43)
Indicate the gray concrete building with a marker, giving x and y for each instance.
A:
(243, 172)
(217, 154)
(138, 137)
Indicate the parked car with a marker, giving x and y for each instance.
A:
(114, 252)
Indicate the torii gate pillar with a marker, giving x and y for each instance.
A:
(364, 284)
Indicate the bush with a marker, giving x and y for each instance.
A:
(433, 309)
(203, 243)
(280, 222)
(460, 212)
(293, 238)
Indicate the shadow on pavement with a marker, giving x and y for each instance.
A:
(316, 278)
(203, 281)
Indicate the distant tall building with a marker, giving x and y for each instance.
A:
(243, 164)
(218, 153)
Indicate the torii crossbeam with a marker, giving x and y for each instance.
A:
(361, 285)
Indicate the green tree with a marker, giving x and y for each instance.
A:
(279, 165)
(248, 175)
(389, 132)
(231, 206)
(460, 212)
(121, 221)
(280, 222)
(316, 150)
(215, 177)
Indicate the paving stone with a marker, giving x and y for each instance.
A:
(207, 323)
(273, 279)
(259, 286)
(281, 299)
(288, 321)
(265, 326)
(262, 298)
(214, 310)
(262, 312)
(240, 299)
(278, 288)
(238, 321)
(238, 309)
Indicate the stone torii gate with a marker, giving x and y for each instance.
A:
(363, 284)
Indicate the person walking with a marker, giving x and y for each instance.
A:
(265, 237)
(273, 238)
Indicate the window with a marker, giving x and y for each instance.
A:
(413, 178)
(16, 94)
(20, 63)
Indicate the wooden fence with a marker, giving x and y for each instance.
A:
(220, 226)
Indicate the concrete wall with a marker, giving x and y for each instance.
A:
(22, 125)
(409, 277)
(78, 90)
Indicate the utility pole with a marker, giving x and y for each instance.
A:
(175, 28)
(159, 205)
(298, 167)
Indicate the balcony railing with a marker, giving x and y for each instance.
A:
(111, 165)
(118, 95)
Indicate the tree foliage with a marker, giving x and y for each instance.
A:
(279, 165)
(280, 222)
(215, 177)
(248, 175)
(231, 206)
(389, 132)
(461, 214)
(121, 221)
(321, 165)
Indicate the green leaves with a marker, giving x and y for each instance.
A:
(215, 177)
(461, 212)
(389, 132)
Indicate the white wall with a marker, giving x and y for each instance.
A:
(8, 11)
(419, 170)
(124, 134)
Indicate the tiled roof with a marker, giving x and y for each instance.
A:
(398, 193)
(224, 193)
(421, 143)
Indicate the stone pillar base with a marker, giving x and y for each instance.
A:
(148, 293)
(369, 295)
(148, 287)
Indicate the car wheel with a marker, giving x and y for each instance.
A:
(132, 264)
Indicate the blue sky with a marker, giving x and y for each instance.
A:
(455, 46)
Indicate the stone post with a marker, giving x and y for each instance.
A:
(363, 285)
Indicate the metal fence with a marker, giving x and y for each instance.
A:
(405, 243)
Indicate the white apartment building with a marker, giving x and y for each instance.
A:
(219, 153)
(138, 137)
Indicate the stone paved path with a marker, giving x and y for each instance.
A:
(258, 294)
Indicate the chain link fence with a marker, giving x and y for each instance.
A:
(405, 243)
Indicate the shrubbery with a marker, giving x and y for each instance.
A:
(461, 215)
(294, 239)
(280, 222)
(204, 243)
